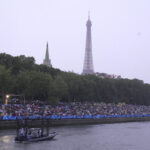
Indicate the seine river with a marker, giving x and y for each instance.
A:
(122, 136)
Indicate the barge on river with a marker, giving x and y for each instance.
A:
(25, 134)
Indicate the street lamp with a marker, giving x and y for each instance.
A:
(6, 100)
(7, 96)
(11, 95)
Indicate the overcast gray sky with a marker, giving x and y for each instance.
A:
(120, 33)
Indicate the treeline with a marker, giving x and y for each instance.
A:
(20, 75)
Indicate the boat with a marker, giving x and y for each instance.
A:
(34, 138)
(26, 135)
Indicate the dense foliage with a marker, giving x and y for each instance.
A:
(20, 75)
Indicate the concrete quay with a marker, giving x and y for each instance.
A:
(12, 124)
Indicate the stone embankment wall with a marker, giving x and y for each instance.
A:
(5, 124)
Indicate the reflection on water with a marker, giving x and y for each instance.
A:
(5, 139)
(123, 136)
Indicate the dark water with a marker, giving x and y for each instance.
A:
(123, 136)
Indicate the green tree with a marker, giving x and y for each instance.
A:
(6, 82)
(60, 88)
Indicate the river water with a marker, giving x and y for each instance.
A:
(122, 136)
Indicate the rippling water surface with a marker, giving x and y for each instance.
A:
(123, 136)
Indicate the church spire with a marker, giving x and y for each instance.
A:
(47, 53)
(47, 61)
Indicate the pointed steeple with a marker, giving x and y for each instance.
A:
(47, 53)
(47, 61)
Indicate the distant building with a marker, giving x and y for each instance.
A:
(88, 59)
(105, 75)
(47, 61)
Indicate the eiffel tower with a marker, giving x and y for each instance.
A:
(88, 59)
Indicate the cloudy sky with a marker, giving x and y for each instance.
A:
(120, 33)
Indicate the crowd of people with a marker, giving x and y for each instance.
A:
(73, 108)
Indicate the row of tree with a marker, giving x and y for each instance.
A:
(20, 75)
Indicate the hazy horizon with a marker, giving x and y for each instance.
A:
(120, 34)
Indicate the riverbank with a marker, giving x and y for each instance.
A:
(11, 124)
